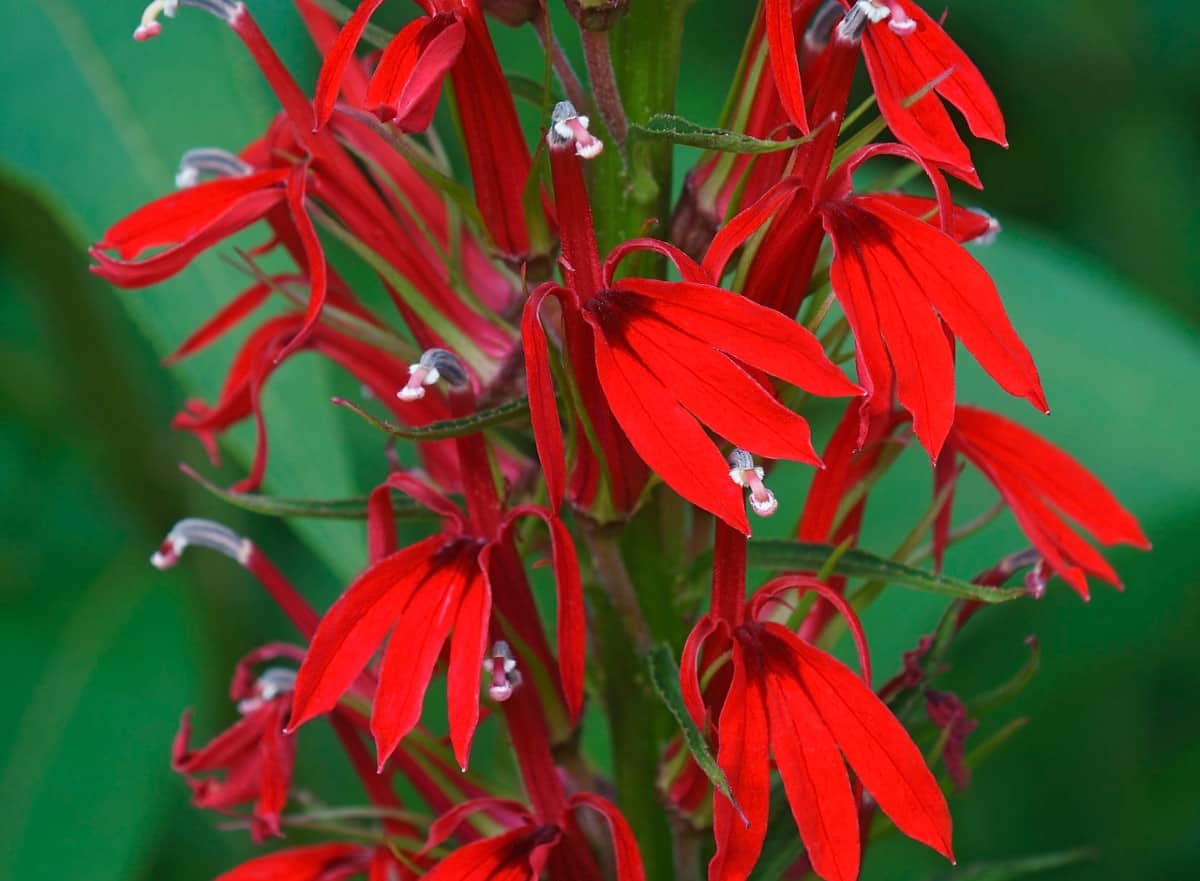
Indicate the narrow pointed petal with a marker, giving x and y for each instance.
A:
(965, 295)
(1065, 482)
(413, 651)
(753, 334)
(720, 393)
(543, 407)
(222, 322)
(814, 776)
(667, 437)
(503, 858)
(381, 524)
(408, 80)
(180, 215)
(629, 859)
(744, 224)
(743, 756)
(314, 258)
(785, 62)
(467, 651)
(689, 670)
(355, 625)
(278, 755)
(296, 864)
(867, 267)
(965, 225)
(878, 748)
(329, 83)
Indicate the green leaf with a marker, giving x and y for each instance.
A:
(447, 428)
(796, 555)
(671, 129)
(529, 90)
(333, 509)
(664, 675)
(1022, 867)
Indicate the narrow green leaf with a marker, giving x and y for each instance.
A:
(447, 428)
(666, 127)
(331, 509)
(856, 563)
(1021, 867)
(664, 674)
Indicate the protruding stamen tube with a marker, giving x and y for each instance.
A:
(899, 22)
(204, 534)
(820, 27)
(993, 229)
(745, 474)
(503, 668)
(435, 364)
(567, 127)
(226, 10)
(208, 160)
(857, 18)
(274, 682)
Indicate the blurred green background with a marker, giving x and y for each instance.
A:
(1099, 264)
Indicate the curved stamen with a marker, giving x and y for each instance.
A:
(274, 682)
(204, 534)
(208, 160)
(567, 126)
(820, 27)
(503, 668)
(744, 473)
(857, 18)
(435, 364)
(227, 11)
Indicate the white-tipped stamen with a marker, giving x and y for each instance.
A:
(858, 16)
(745, 474)
(204, 534)
(271, 684)
(209, 160)
(993, 229)
(227, 11)
(435, 364)
(568, 127)
(503, 668)
(899, 23)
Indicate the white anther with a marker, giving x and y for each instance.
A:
(227, 10)
(435, 364)
(567, 126)
(204, 534)
(503, 668)
(862, 13)
(209, 160)
(745, 474)
(270, 685)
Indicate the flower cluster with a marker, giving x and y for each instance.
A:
(551, 361)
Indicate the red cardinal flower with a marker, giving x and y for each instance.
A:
(1041, 485)
(254, 755)
(435, 591)
(520, 853)
(672, 357)
(902, 283)
(907, 52)
(788, 700)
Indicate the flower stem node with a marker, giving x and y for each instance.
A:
(227, 10)
(204, 534)
(597, 15)
(503, 668)
(435, 364)
(567, 126)
(745, 474)
(208, 160)
(861, 14)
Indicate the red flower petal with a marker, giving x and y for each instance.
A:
(412, 652)
(467, 651)
(814, 775)
(314, 258)
(296, 864)
(543, 408)
(720, 393)
(329, 83)
(222, 322)
(506, 857)
(408, 81)
(753, 334)
(629, 859)
(785, 63)
(877, 747)
(743, 756)
(744, 224)
(666, 436)
(355, 625)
